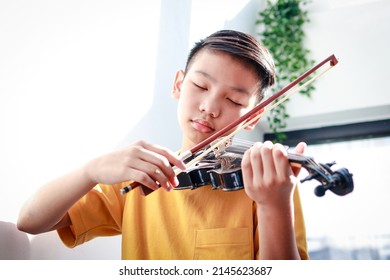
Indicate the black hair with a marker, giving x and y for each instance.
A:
(243, 47)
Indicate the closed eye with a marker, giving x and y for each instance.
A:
(234, 102)
(198, 86)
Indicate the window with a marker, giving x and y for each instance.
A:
(354, 226)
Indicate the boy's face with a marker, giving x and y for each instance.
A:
(216, 90)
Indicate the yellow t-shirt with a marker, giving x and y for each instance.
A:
(181, 224)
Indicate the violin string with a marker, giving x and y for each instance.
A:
(254, 119)
(311, 162)
(319, 166)
(243, 142)
(303, 158)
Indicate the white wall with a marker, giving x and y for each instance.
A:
(355, 89)
(75, 77)
(80, 78)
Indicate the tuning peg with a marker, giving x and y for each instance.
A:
(309, 177)
(321, 189)
(330, 164)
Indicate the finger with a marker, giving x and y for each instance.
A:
(257, 162)
(149, 159)
(162, 171)
(246, 167)
(147, 167)
(143, 179)
(299, 149)
(150, 175)
(172, 157)
(159, 177)
(267, 160)
(164, 159)
(282, 165)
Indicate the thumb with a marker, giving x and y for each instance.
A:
(299, 149)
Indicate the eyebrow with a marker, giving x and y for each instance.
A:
(237, 89)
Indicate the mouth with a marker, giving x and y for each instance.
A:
(202, 126)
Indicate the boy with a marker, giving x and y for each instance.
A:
(225, 76)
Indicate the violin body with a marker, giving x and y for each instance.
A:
(227, 181)
(195, 178)
(223, 172)
(219, 180)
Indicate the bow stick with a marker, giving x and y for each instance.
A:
(255, 111)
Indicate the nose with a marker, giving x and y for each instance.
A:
(210, 106)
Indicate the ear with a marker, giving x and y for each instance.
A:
(176, 88)
(253, 124)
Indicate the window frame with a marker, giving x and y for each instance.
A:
(336, 133)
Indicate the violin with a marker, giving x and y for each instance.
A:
(209, 165)
(222, 170)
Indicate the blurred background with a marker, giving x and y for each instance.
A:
(82, 78)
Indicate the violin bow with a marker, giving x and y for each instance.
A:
(257, 111)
